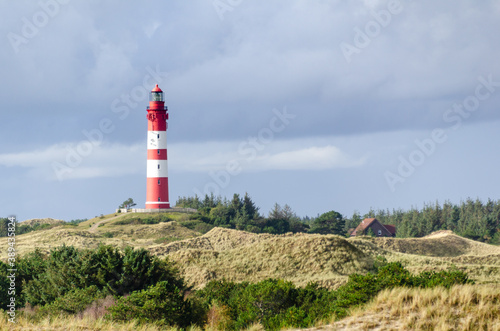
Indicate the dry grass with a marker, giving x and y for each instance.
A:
(438, 251)
(87, 323)
(241, 256)
(138, 236)
(72, 323)
(300, 258)
(437, 244)
(39, 221)
(465, 307)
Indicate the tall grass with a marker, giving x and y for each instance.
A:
(463, 307)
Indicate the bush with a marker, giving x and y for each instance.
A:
(162, 304)
(150, 220)
(110, 270)
(73, 302)
(278, 304)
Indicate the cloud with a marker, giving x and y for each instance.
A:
(278, 155)
(312, 158)
(78, 160)
(83, 160)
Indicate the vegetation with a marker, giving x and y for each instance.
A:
(77, 221)
(472, 219)
(41, 280)
(242, 214)
(278, 304)
(152, 219)
(28, 226)
(462, 307)
(149, 290)
(280, 271)
(129, 203)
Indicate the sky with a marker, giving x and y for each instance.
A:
(321, 105)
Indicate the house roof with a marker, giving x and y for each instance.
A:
(390, 228)
(367, 222)
(363, 225)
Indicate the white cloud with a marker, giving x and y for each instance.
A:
(79, 160)
(83, 160)
(312, 158)
(277, 155)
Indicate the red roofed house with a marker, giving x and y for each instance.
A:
(380, 230)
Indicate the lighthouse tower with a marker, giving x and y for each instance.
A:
(157, 169)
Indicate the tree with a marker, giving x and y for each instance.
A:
(250, 208)
(128, 203)
(276, 212)
(330, 222)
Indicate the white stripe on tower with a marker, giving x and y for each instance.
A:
(157, 139)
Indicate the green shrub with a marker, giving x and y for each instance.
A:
(73, 302)
(278, 304)
(161, 304)
(112, 271)
(197, 225)
(150, 220)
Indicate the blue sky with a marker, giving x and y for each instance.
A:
(322, 105)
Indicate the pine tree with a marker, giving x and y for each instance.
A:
(250, 208)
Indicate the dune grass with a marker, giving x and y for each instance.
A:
(463, 307)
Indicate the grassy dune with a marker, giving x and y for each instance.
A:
(466, 307)
(438, 251)
(240, 256)
(237, 255)
(135, 235)
(300, 258)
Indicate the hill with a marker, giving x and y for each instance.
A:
(243, 256)
(110, 231)
(41, 221)
(203, 255)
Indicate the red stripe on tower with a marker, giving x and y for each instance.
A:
(157, 169)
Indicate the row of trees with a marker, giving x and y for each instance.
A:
(471, 218)
(242, 214)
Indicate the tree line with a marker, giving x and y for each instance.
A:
(472, 219)
(242, 214)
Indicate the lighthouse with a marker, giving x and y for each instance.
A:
(157, 169)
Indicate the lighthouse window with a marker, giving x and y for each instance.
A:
(159, 199)
(158, 136)
(157, 96)
(158, 152)
(158, 166)
(158, 182)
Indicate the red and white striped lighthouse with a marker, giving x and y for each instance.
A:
(157, 169)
